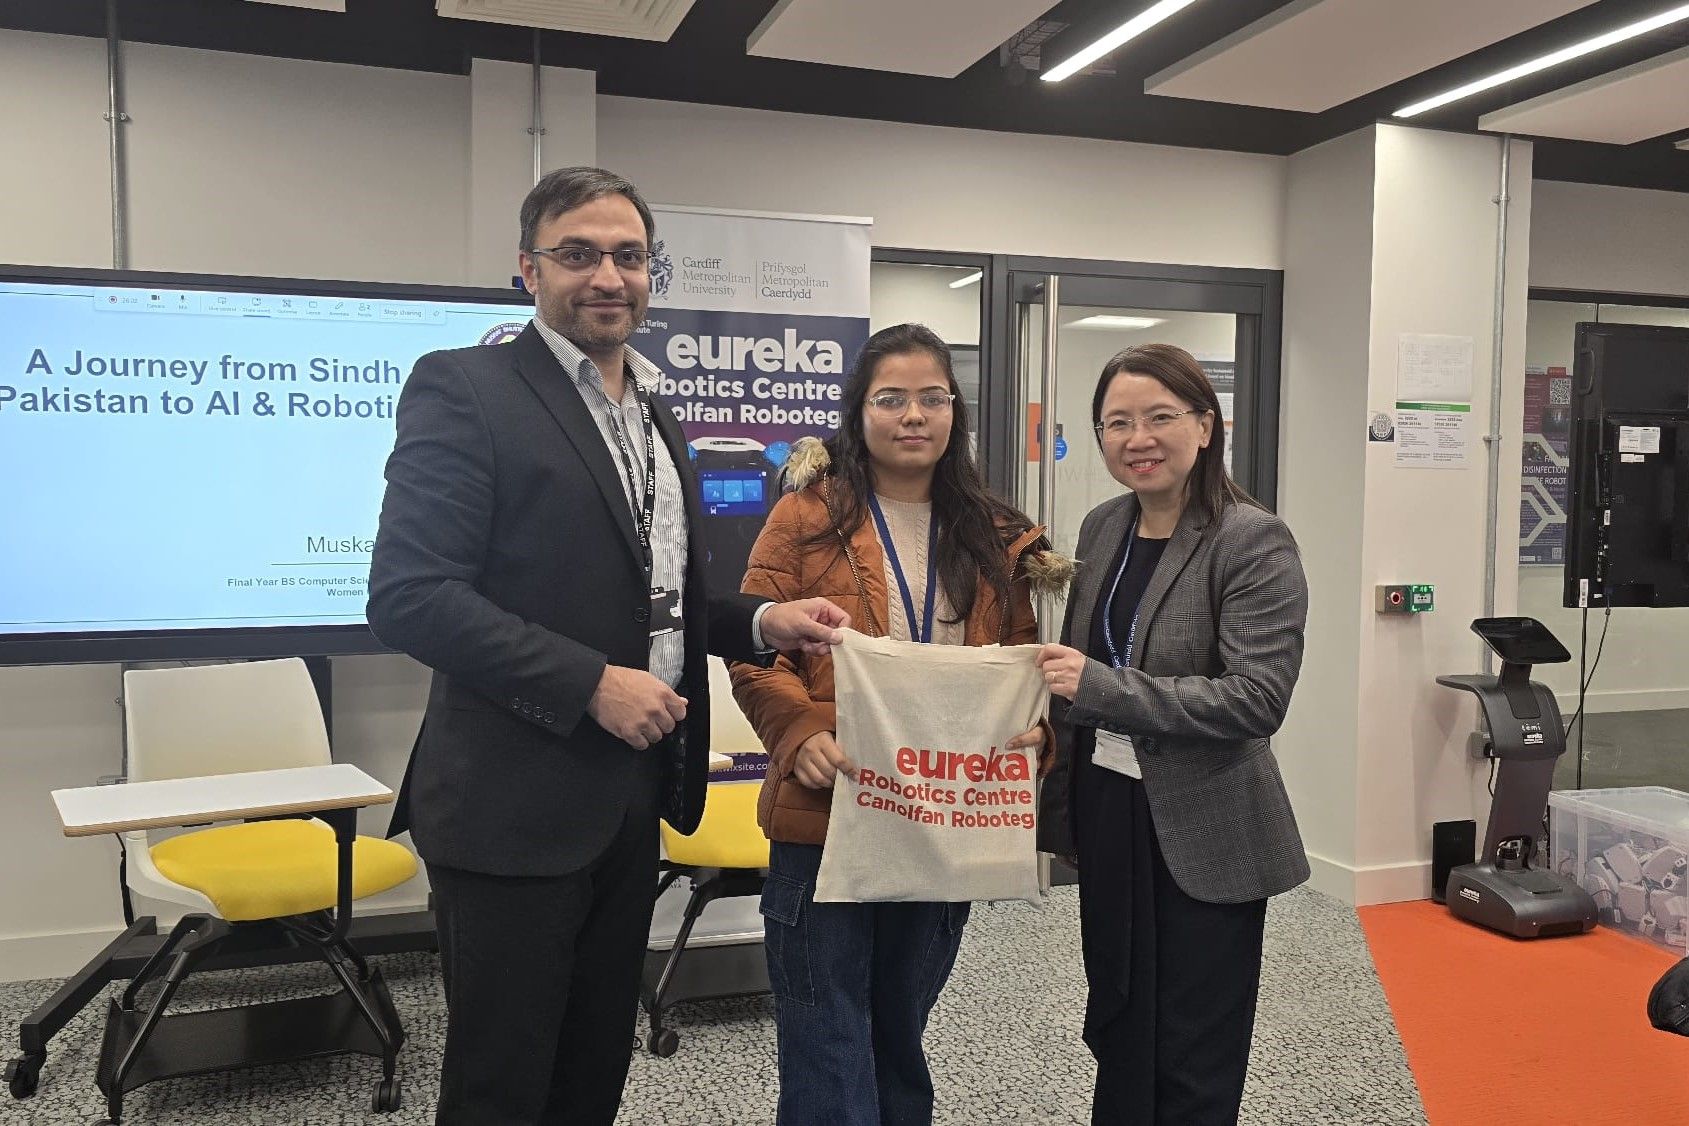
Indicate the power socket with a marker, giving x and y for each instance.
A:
(1479, 745)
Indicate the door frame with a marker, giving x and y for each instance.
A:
(1256, 297)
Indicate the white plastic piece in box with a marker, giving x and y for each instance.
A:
(1665, 864)
(1671, 910)
(1673, 914)
(1633, 902)
(1624, 861)
(1601, 874)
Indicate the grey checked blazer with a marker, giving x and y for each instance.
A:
(1219, 647)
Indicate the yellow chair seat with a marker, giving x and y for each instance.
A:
(728, 836)
(268, 869)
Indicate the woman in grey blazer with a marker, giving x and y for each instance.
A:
(1180, 649)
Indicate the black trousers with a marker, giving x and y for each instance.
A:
(1173, 980)
(542, 985)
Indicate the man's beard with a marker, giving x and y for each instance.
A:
(589, 331)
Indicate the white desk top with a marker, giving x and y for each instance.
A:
(90, 810)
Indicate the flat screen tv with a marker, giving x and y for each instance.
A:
(193, 464)
(1628, 522)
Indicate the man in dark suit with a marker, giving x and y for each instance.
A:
(540, 549)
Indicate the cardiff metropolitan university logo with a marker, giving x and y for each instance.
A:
(504, 333)
(662, 269)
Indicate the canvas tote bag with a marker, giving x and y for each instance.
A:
(940, 812)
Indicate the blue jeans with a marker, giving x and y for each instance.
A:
(853, 984)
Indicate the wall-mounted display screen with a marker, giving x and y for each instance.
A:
(194, 464)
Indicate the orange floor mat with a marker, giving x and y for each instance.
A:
(1500, 1031)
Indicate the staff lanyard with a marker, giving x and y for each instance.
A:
(924, 634)
(1114, 656)
(648, 508)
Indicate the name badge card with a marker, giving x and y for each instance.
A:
(1116, 753)
(665, 611)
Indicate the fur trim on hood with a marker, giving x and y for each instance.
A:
(808, 461)
(1048, 570)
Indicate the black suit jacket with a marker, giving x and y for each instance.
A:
(507, 561)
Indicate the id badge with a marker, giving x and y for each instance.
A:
(1116, 753)
(665, 611)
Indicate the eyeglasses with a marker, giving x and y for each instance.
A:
(579, 259)
(1160, 420)
(896, 402)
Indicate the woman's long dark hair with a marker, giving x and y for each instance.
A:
(973, 524)
(1209, 486)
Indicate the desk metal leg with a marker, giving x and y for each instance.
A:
(188, 942)
(368, 991)
(23, 1075)
(664, 1042)
(185, 928)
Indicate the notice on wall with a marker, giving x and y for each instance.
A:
(1433, 401)
(1639, 439)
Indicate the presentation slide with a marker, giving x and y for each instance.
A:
(185, 459)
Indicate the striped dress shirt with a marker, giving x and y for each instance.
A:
(668, 521)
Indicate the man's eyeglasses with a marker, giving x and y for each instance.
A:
(896, 402)
(1160, 420)
(579, 259)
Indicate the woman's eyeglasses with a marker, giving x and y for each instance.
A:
(896, 402)
(1160, 420)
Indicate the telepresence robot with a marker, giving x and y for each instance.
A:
(1502, 890)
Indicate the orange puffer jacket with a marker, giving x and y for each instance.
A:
(793, 699)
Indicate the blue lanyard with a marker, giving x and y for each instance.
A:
(925, 631)
(1114, 656)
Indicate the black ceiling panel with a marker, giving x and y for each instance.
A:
(705, 62)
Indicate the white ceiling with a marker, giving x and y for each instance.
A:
(1315, 54)
(936, 38)
(1648, 99)
(629, 19)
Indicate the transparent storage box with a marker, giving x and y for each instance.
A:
(1629, 848)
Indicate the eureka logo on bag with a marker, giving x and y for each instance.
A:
(953, 766)
(949, 765)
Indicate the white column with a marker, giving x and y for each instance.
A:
(1392, 231)
(501, 151)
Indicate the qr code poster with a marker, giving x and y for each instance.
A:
(1544, 485)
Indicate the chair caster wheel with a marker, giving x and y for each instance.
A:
(386, 1097)
(663, 1043)
(23, 1075)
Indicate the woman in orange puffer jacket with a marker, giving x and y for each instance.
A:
(892, 522)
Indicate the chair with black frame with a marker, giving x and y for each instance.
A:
(727, 856)
(244, 743)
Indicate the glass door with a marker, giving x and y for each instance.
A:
(1066, 326)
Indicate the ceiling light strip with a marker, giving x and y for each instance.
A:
(1565, 54)
(1125, 33)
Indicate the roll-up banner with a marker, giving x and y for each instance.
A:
(755, 319)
